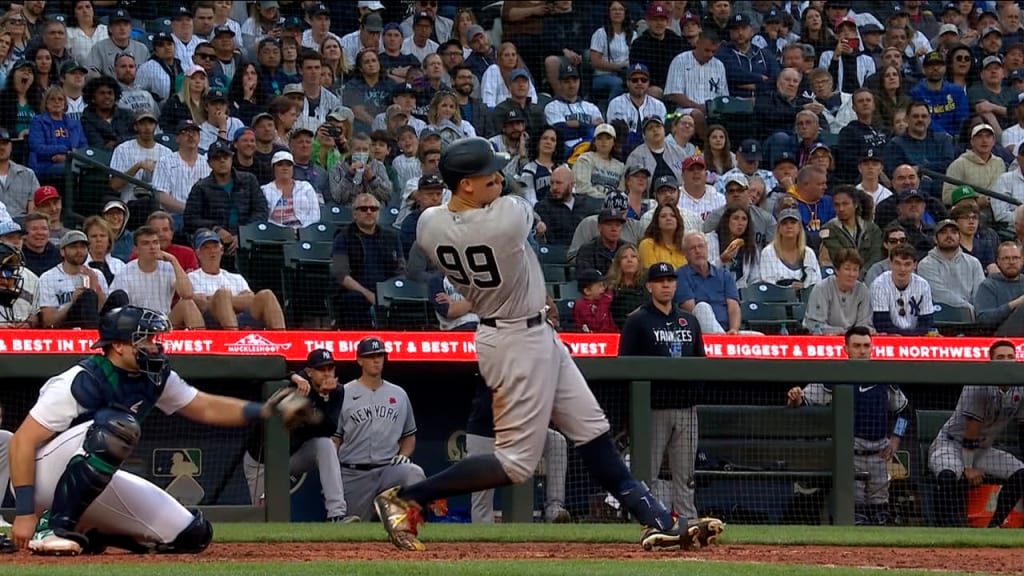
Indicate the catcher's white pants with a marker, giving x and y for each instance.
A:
(556, 458)
(129, 506)
(315, 454)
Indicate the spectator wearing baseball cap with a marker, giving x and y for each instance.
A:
(599, 253)
(992, 90)
(210, 205)
(656, 47)
(597, 170)
(441, 26)
(219, 123)
(71, 294)
(117, 41)
(46, 200)
(954, 276)
(978, 165)
(937, 92)
(429, 193)
(175, 177)
(670, 156)
(482, 54)
(748, 68)
(520, 88)
(591, 311)
(749, 157)
(633, 106)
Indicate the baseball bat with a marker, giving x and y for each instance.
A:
(980, 190)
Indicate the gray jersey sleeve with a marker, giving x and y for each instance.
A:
(973, 402)
(897, 401)
(817, 395)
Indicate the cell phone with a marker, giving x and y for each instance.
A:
(85, 282)
(853, 43)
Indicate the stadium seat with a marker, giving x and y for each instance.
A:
(168, 140)
(764, 292)
(565, 307)
(553, 274)
(403, 304)
(562, 290)
(827, 271)
(735, 114)
(335, 214)
(305, 274)
(261, 255)
(768, 317)
(387, 216)
(952, 318)
(87, 182)
(554, 261)
(319, 232)
(158, 25)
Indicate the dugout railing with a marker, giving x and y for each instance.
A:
(832, 464)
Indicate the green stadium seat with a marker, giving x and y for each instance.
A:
(87, 182)
(562, 290)
(261, 255)
(764, 292)
(335, 214)
(168, 140)
(305, 273)
(387, 216)
(554, 262)
(951, 317)
(157, 25)
(403, 304)
(319, 232)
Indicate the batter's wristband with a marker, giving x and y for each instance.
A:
(25, 500)
(252, 411)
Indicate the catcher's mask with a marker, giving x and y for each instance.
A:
(10, 275)
(138, 327)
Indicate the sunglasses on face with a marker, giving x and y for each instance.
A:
(897, 240)
(367, 208)
(205, 56)
(639, 80)
(962, 58)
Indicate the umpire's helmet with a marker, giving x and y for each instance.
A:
(10, 275)
(470, 157)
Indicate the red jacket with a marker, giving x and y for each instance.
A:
(594, 315)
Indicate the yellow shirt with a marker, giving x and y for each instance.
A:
(651, 253)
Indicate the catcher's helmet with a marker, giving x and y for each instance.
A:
(10, 275)
(133, 325)
(470, 157)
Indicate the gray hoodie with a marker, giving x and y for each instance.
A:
(991, 301)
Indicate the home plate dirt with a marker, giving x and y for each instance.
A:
(985, 560)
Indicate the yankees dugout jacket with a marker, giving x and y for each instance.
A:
(650, 332)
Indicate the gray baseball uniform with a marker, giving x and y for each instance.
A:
(485, 255)
(371, 425)
(995, 409)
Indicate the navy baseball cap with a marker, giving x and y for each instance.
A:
(910, 195)
(639, 68)
(750, 149)
(319, 358)
(616, 200)
(588, 277)
(661, 270)
(181, 12)
(223, 29)
(518, 73)
(318, 9)
(216, 95)
(739, 19)
(186, 124)
(370, 346)
(204, 236)
(218, 148)
(611, 215)
(11, 227)
(784, 157)
(120, 15)
(666, 181)
(161, 38)
(430, 181)
(773, 15)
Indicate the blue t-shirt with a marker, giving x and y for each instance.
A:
(948, 105)
(715, 289)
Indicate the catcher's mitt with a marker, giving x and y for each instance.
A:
(296, 409)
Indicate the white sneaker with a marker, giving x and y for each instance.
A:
(45, 543)
(4, 524)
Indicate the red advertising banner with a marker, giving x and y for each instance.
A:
(459, 346)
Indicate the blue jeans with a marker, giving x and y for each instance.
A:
(610, 84)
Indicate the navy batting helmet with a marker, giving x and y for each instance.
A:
(470, 157)
(133, 325)
(10, 275)
(370, 346)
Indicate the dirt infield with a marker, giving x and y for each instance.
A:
(988, 560)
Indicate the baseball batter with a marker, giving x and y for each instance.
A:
(377, 432)
(479, 241)
(874, 441)
(480, 440)
(964, 450)
(66, 455)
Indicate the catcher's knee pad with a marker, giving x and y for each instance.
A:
(111, 438)
(195, 538)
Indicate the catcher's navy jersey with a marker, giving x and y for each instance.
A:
(75, 395)
(871, 407)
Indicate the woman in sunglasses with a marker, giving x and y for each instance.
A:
(14, 24)
(959, 61)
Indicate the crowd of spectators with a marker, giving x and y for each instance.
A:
(827, 182)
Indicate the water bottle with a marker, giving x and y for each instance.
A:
(784, 331)
(816, 329)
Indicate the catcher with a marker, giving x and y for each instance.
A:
(313, 436)
(377, 431)
(71, 495)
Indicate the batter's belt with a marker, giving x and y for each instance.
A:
(364, 467)
(530, 322)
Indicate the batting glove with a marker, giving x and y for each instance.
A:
(400, 459)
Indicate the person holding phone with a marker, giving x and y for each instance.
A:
(847, 63)
(512, 140)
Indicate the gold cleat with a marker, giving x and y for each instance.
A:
(653, 537)
(400, 518)
(702, 532)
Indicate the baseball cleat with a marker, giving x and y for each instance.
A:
(344, 519)
(4, 524)
(557, 515)
(702, 532)
(401, 518)
(653, 537)
(45, 543)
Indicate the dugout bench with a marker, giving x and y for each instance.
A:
(765, 464)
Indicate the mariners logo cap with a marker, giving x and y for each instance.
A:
(370, 346)
(319, 358)
(660, 270)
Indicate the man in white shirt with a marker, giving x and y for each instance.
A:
(573, 117)
(635, 105)
(225, 298)
(697, 195)
(317, 101)
(1010, 183)
(366, 38)
(694, 77)
(138, 157)
(442, 26)
(72, 76)
(1014, 135)
(154, 278)
(420, 44)
(319, 18)
(71, 294)
(175, 177)
(182, 28)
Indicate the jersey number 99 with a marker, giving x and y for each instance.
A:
(478, 267)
